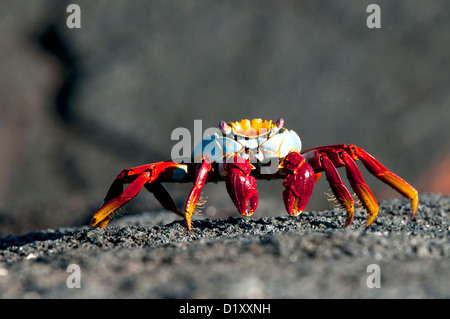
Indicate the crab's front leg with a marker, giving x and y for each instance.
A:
(299, 183)
(194, 194)
(241, 186)
(338, 188)
(150, 176)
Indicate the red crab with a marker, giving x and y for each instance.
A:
(244, 151)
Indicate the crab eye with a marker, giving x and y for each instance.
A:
(224, 127)
(280, 123)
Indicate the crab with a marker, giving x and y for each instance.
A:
(242, 152)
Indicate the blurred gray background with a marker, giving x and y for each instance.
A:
(79, 105)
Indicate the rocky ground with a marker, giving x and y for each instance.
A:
(152, 256)
(79, 105)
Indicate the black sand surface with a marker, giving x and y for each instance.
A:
(150, 256)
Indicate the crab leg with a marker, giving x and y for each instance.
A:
(103, 215)
(360, 187)
(383, 174)
(128, 175)
(241, 186)
(299, 183)
(337, 186)
(342, 155)
(163, 197)
(194, 195)
(149, 176)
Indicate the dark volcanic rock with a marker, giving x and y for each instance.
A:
(270, 257)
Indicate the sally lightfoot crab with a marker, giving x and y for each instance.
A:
(242, 152)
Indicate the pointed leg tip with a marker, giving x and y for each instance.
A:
(246, 213)
(295, 213)
(187, 222)
(414, 207)
(413, 213)
(350, 208)
(95, 223)
(188, 225)
(349, 220)
(370, 220)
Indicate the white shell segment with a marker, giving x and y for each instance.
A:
(217, 146)
(250, 143)
(281, 144)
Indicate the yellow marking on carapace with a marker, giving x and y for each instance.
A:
(251, 128)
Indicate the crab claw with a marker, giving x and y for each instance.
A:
(241, 186)
(299, 183)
